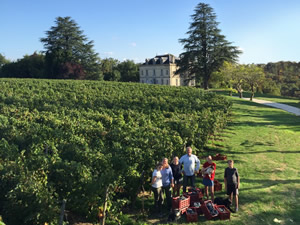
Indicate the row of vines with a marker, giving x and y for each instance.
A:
(70, 141)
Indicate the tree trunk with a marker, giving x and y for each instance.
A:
(252, 93)
(205, 83)
(105, 205)
(241, 94)
(62, 212)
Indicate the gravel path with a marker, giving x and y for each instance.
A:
(285, 107)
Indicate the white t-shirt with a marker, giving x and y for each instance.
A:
(158, 181)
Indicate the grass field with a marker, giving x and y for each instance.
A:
(264, 142)
(273, 98)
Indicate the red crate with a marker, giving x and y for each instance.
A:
(197, 209)
(192, 217)
(205, 210)
(197, 194)
(219, 157)
(217, 186)
(223, 214)
(180, 204)
(183, 210)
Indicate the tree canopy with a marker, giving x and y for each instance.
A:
(206, 48)
(69, 54)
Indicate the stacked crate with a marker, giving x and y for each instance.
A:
(181, 204)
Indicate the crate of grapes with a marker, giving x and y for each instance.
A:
(197, 194)
(208, 208)
(197, 206)
(224, 213)
(181, 202)
(219, 157)
(191, 215)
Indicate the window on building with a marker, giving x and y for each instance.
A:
(161, 72)
(154, 72)
(167, 83)
(146, 72)
(142, 72)
(162, 81)
(167, 72)
(142, 81)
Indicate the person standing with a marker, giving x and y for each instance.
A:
(157, 188)
(191, 165)
(167, 181)
(209, 170)
(232, 183)
(176, 170)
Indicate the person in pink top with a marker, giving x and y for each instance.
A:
(209, 170)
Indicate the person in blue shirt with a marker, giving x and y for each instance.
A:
(167, 181)
(191, 165)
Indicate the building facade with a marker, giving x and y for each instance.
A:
(162, 70)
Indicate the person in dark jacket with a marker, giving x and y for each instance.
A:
(232, 183)
(176, 170)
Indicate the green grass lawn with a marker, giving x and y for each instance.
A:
(273, 98)
(264, 142)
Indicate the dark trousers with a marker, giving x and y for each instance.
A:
(158, 198)
(168, 192)
(185, 181)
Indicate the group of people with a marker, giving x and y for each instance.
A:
(167, 179)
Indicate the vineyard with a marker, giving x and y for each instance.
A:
(74, 141)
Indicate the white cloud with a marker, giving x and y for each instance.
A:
(241, 49)
(108, 53)
(133, 44)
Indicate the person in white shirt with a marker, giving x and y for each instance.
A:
(157, 187)
(191, 165)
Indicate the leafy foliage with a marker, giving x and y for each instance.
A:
(71, 140)
(284, 76)
(30, 66)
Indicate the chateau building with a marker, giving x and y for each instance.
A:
(161, 70)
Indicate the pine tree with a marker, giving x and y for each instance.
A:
(206, 48)
(69, 54)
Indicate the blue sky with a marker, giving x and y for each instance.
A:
(265, 30)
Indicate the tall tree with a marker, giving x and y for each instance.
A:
(109, 69)
(129, 71)
(206, 48)
(254, 77)
(3, 60)
(69, 54)
(227, 72)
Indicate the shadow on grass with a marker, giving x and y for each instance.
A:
(267, 151)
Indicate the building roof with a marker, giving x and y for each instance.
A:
(161, 59)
